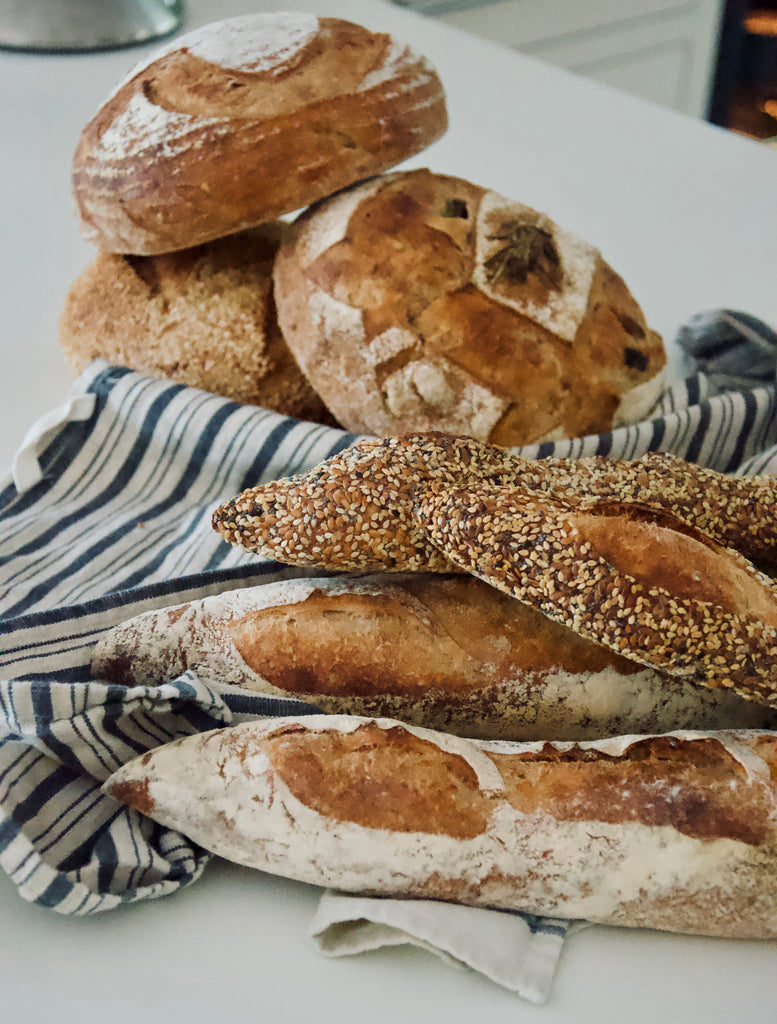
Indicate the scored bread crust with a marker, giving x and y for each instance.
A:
(444, 652)
(204, 317)
(634, 578)
(246, 119)
(354, 511)
(419, 301)
(674, 832)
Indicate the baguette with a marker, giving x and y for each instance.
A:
(675, 832)
(355, 510)
(445, 652)
(628, 576)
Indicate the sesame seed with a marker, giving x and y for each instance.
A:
(439, 503)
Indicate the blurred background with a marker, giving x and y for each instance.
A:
(75, 26)
(712, 59)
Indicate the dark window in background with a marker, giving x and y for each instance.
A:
(744, 92)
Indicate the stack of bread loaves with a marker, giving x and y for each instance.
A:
(401, 301)
(497, 634)
(549, 685)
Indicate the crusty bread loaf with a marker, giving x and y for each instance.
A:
(364, 498)
(236, 123)
(419, 301)
(203, 316)
(445, 652)
(675, 832)
(634, 578)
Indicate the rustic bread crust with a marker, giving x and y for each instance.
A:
(480, 316)
(675, 832)
(636, 579)
(364, 498)
(204, 317)
(243, 120)
(445, 652)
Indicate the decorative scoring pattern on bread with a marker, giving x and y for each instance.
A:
(674, 832)
(638, 580)
(243, 120)
(419, 301)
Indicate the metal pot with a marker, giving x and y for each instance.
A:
(71, 26)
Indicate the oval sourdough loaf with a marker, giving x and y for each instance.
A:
(419, 301)
(243, 120)
(203, 316)
(446, 652)
(676, 832)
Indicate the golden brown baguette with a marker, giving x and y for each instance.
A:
(233, 124)
(634, 578)
(355, 510)
(446, 652)
(675, 832)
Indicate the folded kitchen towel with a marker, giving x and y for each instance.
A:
(106, 514)
(517, 951)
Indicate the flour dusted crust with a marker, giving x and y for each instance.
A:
(445, 652)
(204, 317)
(675, 832)
(243, 120)
(419, 301)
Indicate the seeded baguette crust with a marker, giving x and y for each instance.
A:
(445, 652)
(482, 316)
(354, 511)
(675, 832)
(239, 122)
(738, 512)
(633, 578)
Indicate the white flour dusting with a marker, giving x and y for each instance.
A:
(143, 125)
(399, 60)
(563, 312)
(253, 42)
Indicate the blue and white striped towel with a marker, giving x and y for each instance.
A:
(107, 514)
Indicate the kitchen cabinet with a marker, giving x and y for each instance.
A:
(661, 50)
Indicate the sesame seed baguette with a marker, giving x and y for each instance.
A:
(354, 511)
(633, 578)
(675, 832)
(446, 652)
(738, 512)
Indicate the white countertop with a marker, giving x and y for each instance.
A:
(684, 211)
(687, 214)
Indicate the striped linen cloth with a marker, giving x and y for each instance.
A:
(107, 513)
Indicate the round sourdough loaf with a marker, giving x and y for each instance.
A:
(243, 120)
(203, 316)
(418, 301)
